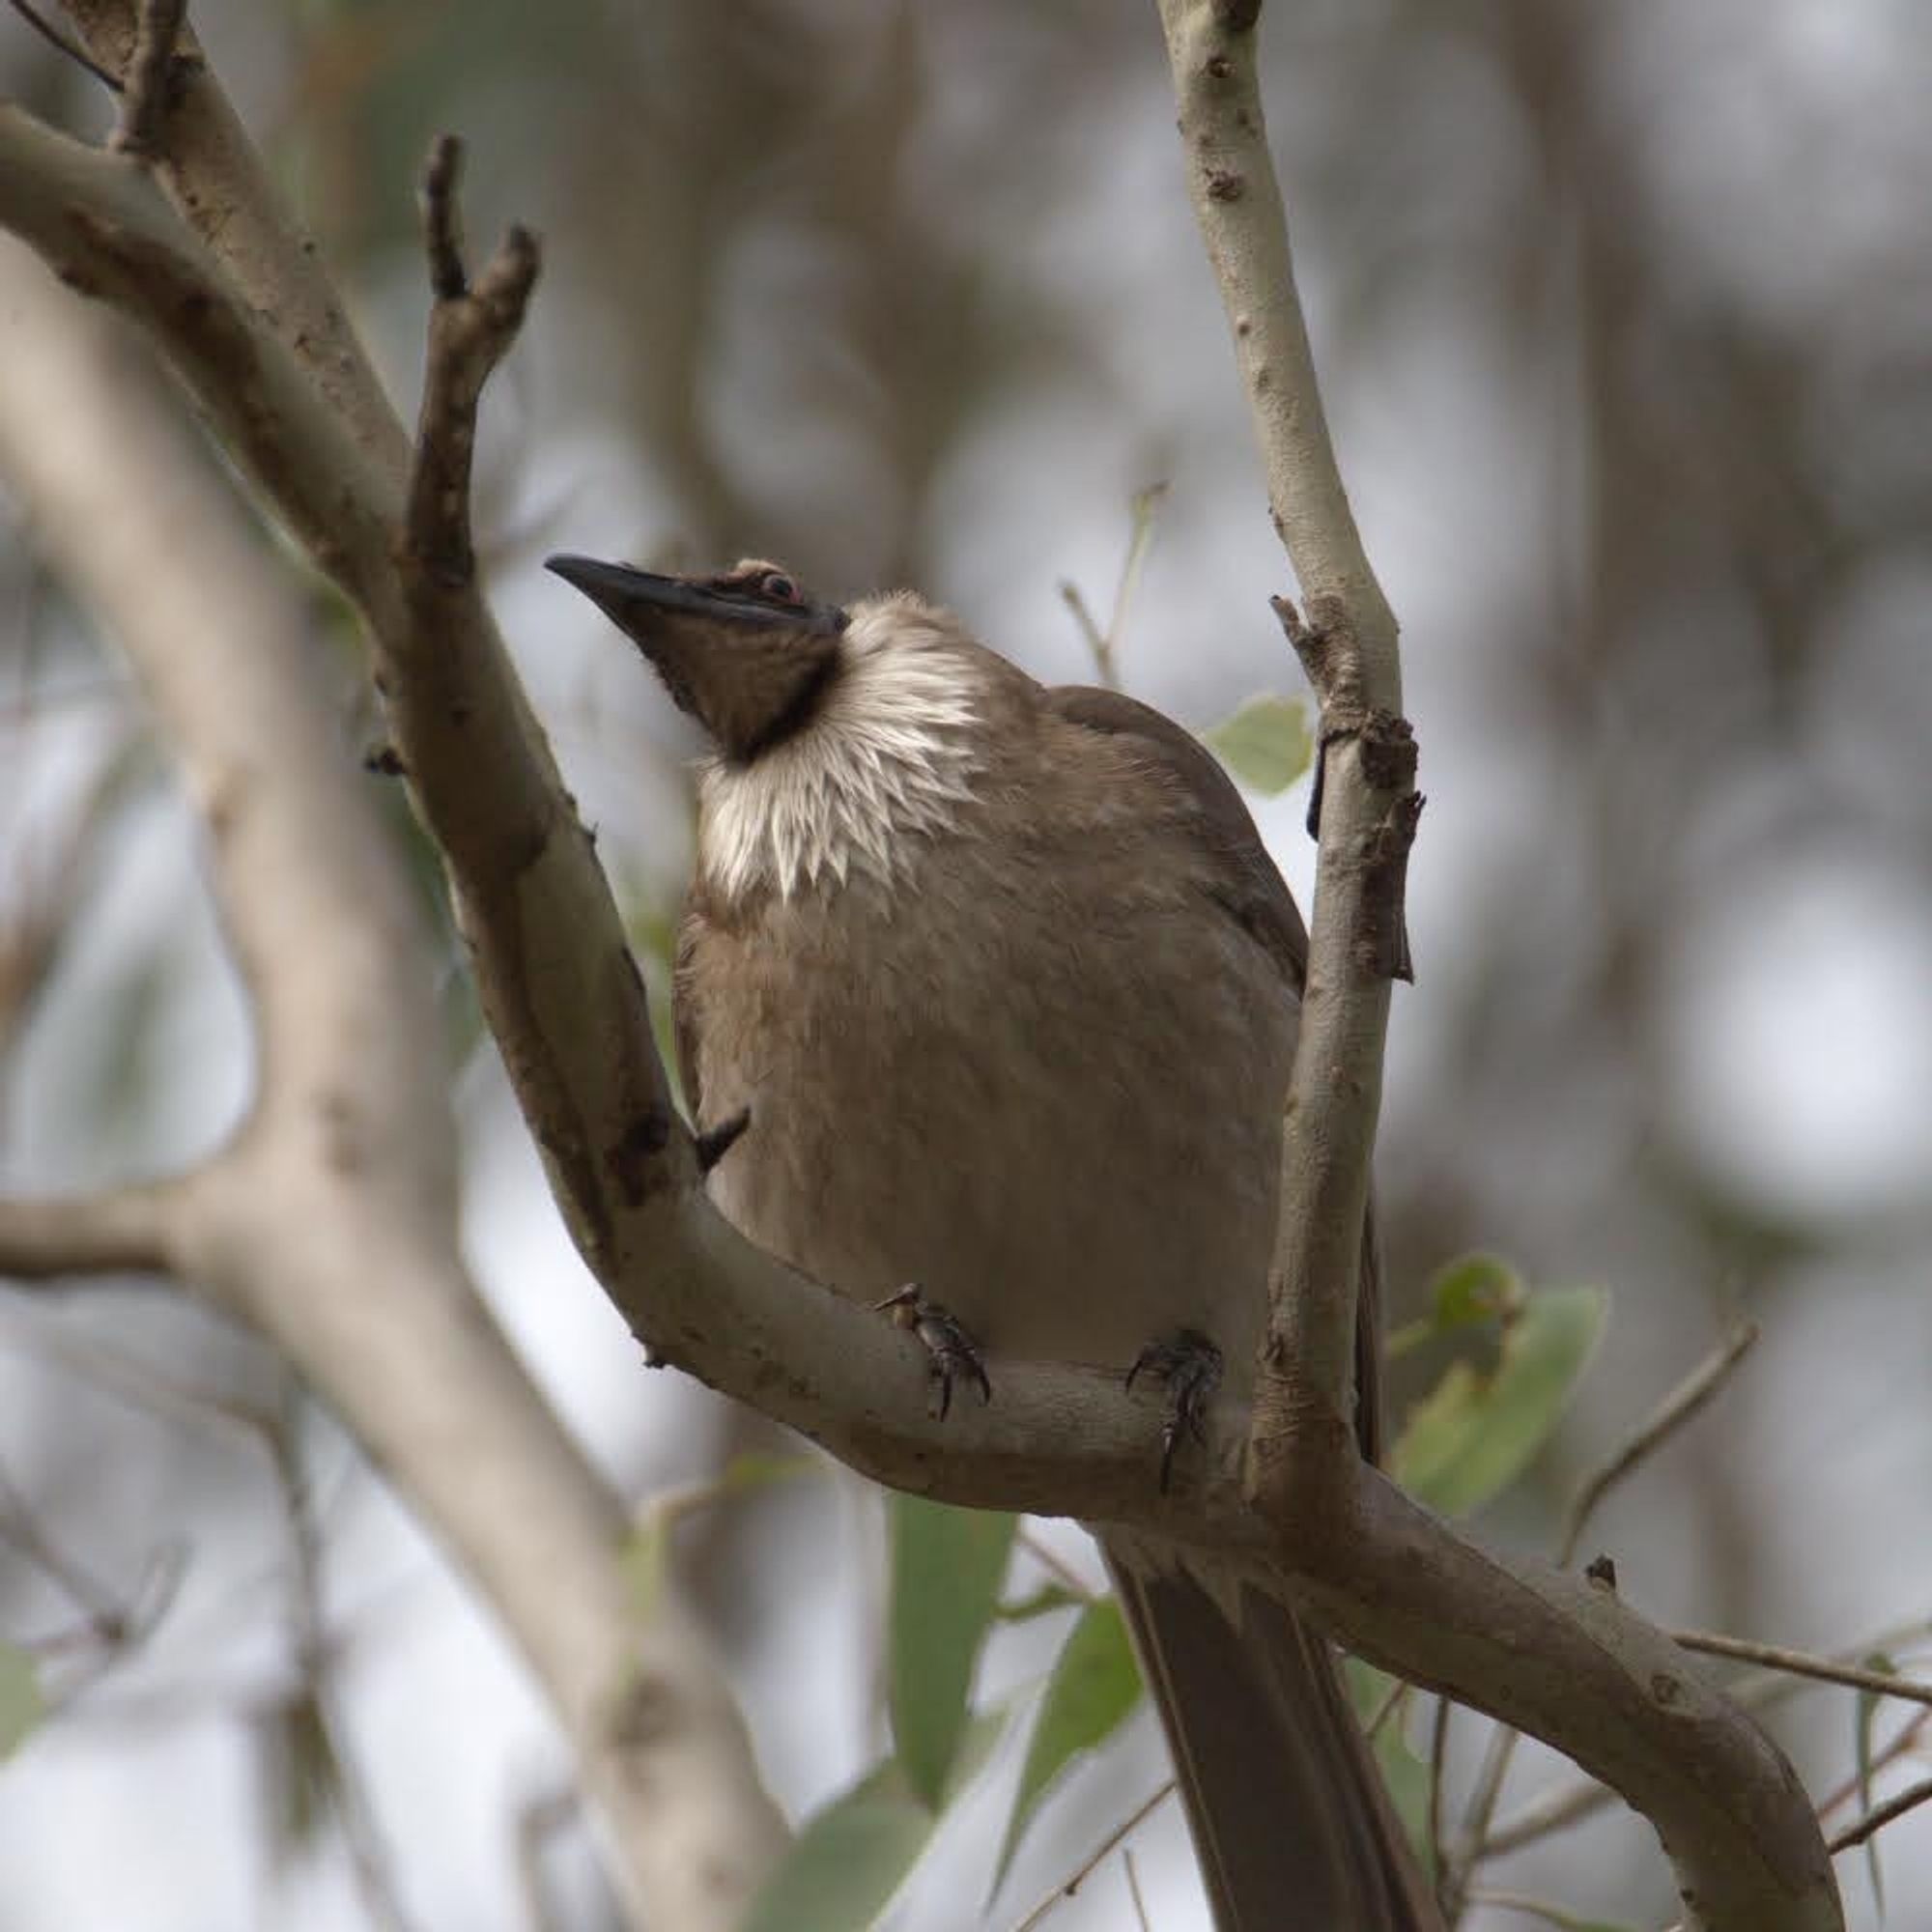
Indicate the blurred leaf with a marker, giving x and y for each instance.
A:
(1478, 1429)
(847, 1862)
(299, 1775)
(948, 1565)
(1475, 1287)
(1866, 1716)
(1403, 1768)
(1265, 744)
(845, 1865)
(22, 1705)
(1094, 1684)
(1042, 1602)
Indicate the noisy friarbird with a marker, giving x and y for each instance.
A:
(1003, 986)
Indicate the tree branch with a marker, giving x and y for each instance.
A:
(149, 83)
(1676, 1408)
(120, 1231)
(1533, 1647)
(1610, 1689)
(1302, 1409)
(351, 1140)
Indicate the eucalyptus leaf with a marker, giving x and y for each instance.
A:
(22, 1703)
(1266, 743)
(1474, 1287)
(850, 1860)
(1092, 1690)
(845, 1865)
(1477, 1431)
(1865, 1718)
(948, 1565)
(1405, 1770)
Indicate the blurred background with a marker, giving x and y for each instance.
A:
(1622, 315)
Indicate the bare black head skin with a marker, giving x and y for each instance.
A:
(748, 653)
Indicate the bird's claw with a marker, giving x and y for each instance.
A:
(953, 1357)
(1189, 1367)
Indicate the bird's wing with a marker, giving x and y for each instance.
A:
(1253, 891)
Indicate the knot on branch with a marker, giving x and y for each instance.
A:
(470, 327)
(1331, 655)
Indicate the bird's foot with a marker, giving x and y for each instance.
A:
(1189, 1367)
(954, 1357)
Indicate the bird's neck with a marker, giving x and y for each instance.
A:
(888, 758)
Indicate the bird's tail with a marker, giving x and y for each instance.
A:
(1289, 1820)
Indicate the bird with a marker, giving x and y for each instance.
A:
(985, 1001)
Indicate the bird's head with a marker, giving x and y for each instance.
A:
(747, 654)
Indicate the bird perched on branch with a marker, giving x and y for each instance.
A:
(992, 989)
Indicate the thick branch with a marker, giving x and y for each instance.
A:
(208, 170)
(351, 1142)
(1564, 1660)
(563, 997)
(1385, 1578)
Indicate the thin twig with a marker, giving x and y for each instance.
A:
(315, 1658)
(1054, 1564)
(1801, 1664)
(1069, 1886)
(1569, 1805)
(1889, 1753)
(71, 49)
(1535, 1908)
(470, 327)
(150, 70)
(1880, 1816)
(1397, 1696)
(58, 1242)
(1106, 643)
(106, 1617)
(1669, 1416)
(1134, 1890)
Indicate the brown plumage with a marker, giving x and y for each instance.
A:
(1008, 985)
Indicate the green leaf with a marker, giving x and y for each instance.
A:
(1265, 744)
(948, 1565)
(22, 1704)
(847, 1862)
(1475, 1287)
(1866, 1714)
(1477, 1431)
(1094, 1684)
(1405, 1770)
(300, 1778)
(845, 1865)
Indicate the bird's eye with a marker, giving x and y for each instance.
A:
(778, 587)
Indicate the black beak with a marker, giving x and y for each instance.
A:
(629, 598)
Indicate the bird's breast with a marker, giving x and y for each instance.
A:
(1043, 1083)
